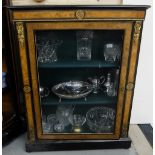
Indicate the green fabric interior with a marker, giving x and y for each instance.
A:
(50, 77)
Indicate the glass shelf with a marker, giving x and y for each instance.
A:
(99, 98)
(79, 64)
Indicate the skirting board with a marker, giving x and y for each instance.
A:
(46, 145)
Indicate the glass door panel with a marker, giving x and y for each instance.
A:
(79, 74)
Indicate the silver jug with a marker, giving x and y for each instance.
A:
(96, 83)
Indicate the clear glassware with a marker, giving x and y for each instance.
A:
(77, 122)
(59, 127)
(108, 81)
(111, 52)
(111, 87)
(44, 120)
(52, 50)
(47, 50)
(111, 91)
(63, 113)
(46, 127)
(84, 43)
(48, 123)
(41, 48)
(96, 83)
(51, 120)
(100, 119)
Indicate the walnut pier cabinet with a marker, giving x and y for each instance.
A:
(78, 68)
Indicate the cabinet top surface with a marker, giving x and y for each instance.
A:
(106, 7)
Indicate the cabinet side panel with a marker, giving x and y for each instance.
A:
(26, 81)
(131, 75)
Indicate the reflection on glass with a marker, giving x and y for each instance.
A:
(84, 43)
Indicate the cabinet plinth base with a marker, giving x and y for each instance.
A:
(48, 145)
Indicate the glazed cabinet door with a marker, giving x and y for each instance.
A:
(74, 76)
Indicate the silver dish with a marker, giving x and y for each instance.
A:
(100, 119)
(72, 89)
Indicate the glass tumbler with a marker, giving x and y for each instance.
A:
(84, 43)
(51, 120)
(47, 50)
(111, 52)
(63, 113)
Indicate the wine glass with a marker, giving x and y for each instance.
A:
(77, 122)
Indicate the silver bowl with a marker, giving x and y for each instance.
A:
(72, 89)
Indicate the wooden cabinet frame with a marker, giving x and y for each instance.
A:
(32, 27)
(128, 19)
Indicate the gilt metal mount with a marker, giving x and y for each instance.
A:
(79, 14)
(137, 27)
(27, 89)
(20, 31)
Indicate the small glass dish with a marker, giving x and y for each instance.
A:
(77, 122)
